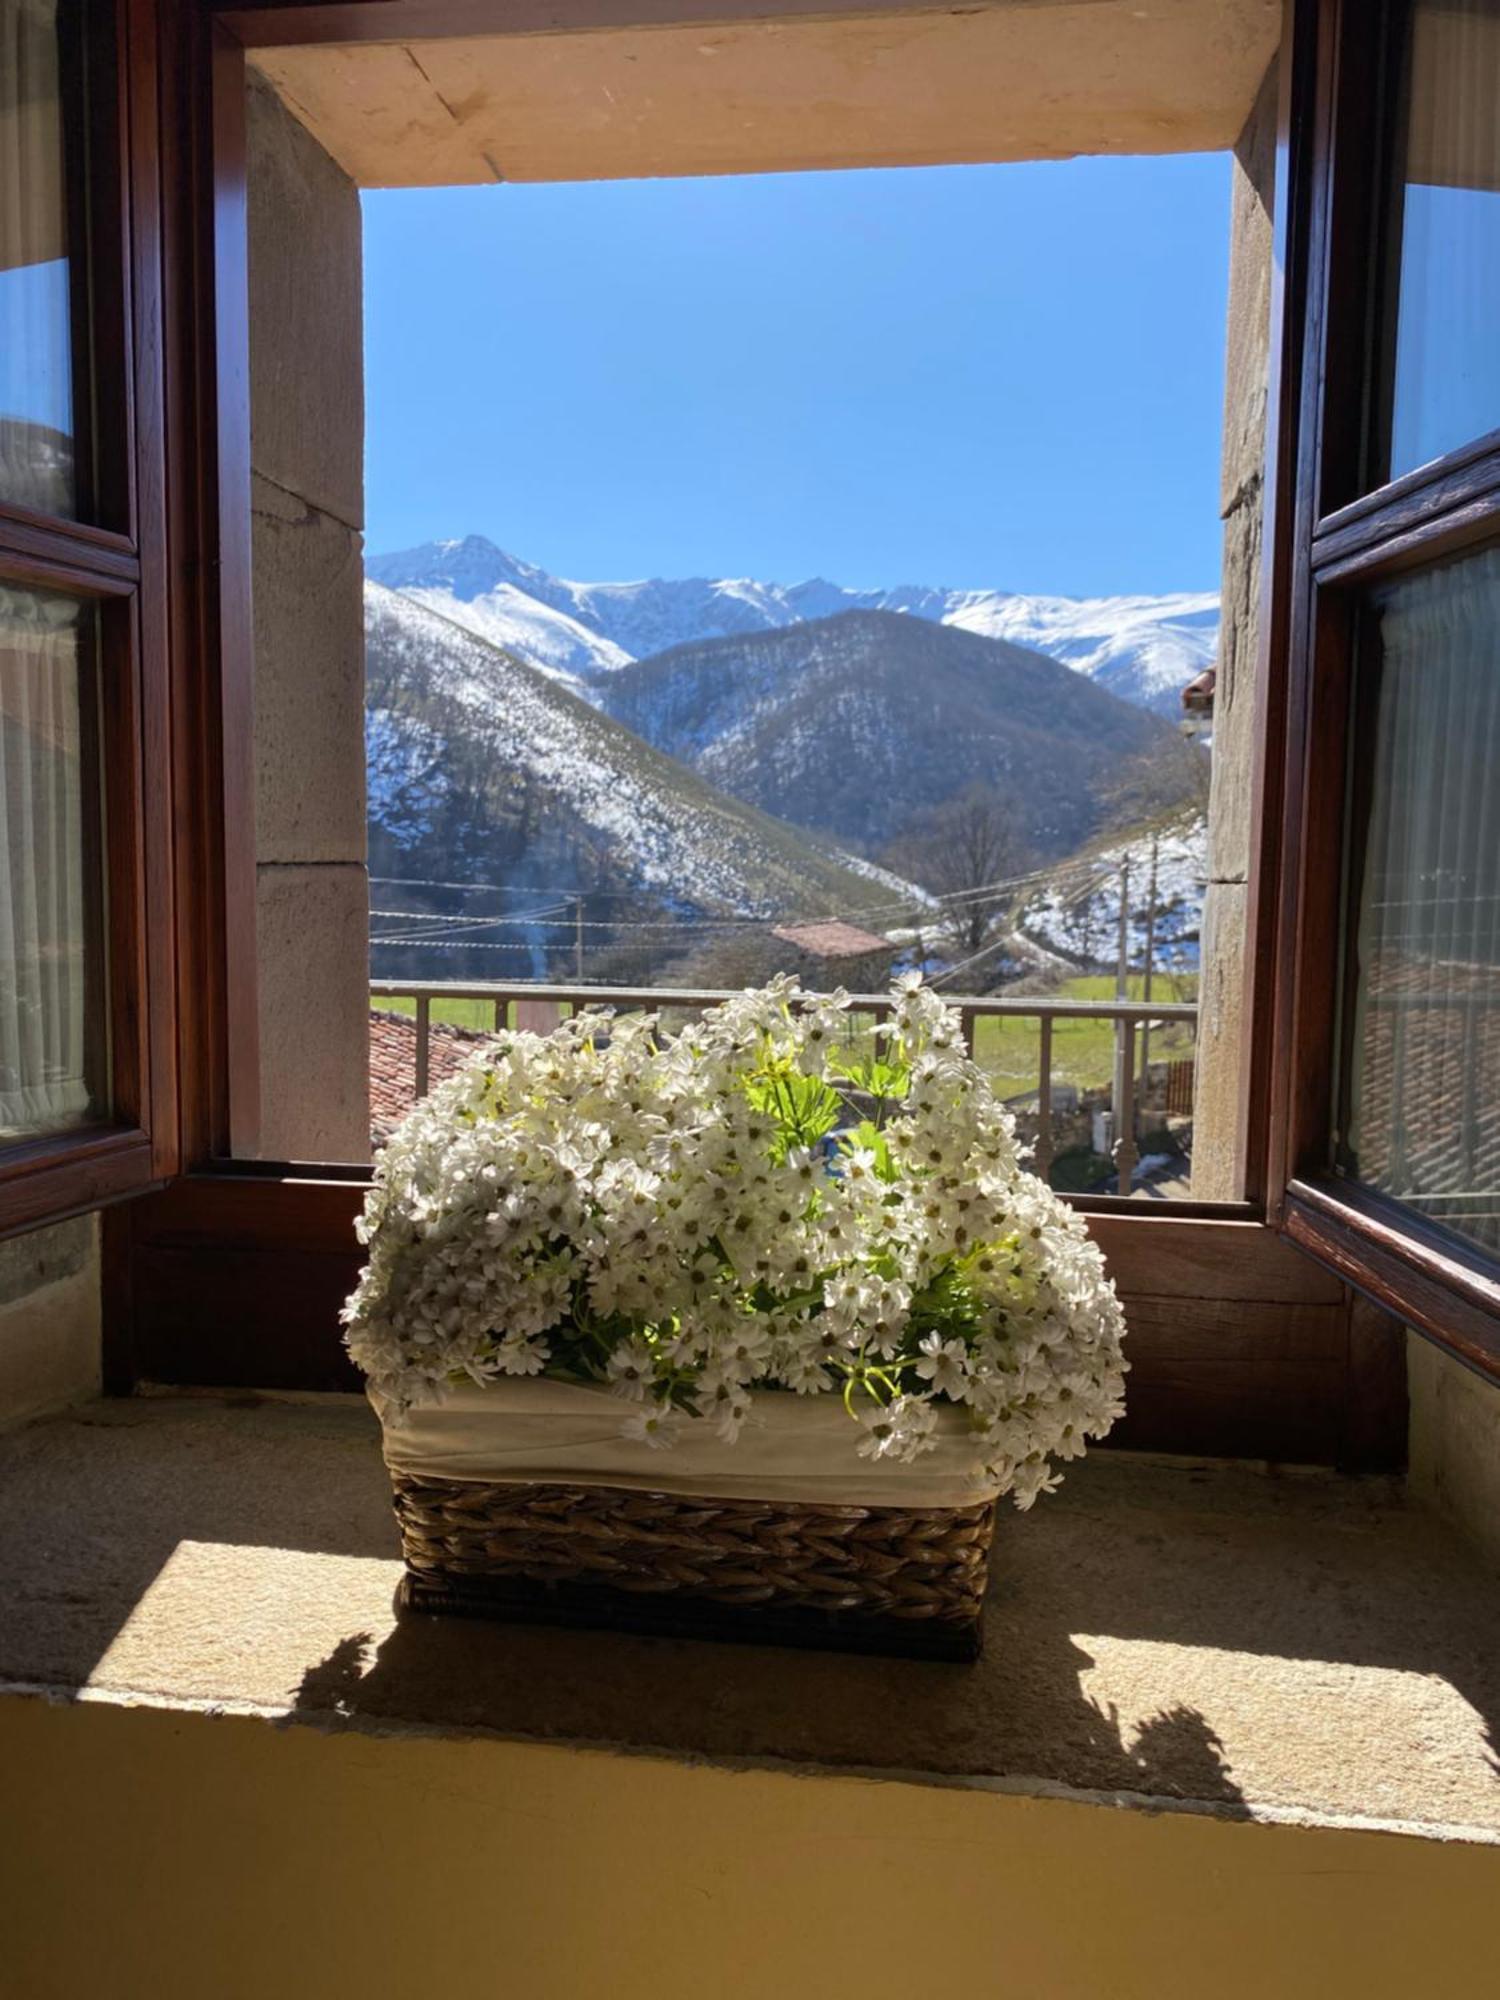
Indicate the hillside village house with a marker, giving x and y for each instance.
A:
(1235, 1732)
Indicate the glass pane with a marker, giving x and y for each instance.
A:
(52, 1049)
(36, 386)
(1424, 1081)
(1446, 373)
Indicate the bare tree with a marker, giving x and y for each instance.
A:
(734, 958)
(961, 850)
(1165, 783)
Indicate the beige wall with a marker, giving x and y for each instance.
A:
(1216, 1109)
(307, 449)
(49, 1318)
(1454, 1447)
(173, 1856)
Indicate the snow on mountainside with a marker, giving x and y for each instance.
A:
(473, 751)
(1144, 649)
(1181, 879)
(506, 616)
(855, 725)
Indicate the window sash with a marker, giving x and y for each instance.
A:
(112, 560)
(1352, 534)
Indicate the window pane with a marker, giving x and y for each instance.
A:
(1424, 1081)
(36, 386)
(52, 1051)
(1446, 379)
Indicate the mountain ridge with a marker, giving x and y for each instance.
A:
(477, 756)
(854, 725)
(1142, 648)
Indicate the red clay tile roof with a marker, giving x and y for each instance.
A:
(833, 939)
(393, 1064)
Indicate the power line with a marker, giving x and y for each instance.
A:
(964, 963)
(920, 897)
(910, 906)
(1068, 882)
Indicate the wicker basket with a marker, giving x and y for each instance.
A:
(865, 1579)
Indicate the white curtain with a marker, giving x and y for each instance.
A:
(35, 338)
(44, 925)
(1425, 1121)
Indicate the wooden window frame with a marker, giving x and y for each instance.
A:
(1351, 531)
(113, 561)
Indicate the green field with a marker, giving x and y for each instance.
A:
(1082, 1051)
(478, 1014)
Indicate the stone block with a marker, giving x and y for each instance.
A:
(309, 683)
(1231, 811)
(306, 313)
(1231, 807)
(1221, 1014)
(314, 1004)
(49, 1318)
(1247, 353)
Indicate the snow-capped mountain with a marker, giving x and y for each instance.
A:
(482, 767)
(550, 639)
(1144, 649)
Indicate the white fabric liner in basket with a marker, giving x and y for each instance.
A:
(796, 1448)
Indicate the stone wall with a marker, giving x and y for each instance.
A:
(307, 456)
(49, 1318)
(1454, 1442)
(1217, 1165)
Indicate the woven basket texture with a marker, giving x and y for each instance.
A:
(886, 1563)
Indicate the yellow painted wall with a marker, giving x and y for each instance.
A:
(157, 1856)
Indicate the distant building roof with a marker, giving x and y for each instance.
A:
(832, 939)
(393, 1064)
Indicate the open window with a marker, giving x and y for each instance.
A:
(558, 813)
(237, 1269)
(1391, 938)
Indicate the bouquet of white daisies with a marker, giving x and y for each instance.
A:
(773, 1197)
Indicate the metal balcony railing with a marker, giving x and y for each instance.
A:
(526, 1005)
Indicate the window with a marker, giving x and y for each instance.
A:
(236, 1271)
(1390, 927)
(1423, 1057)
(715, 817)
(53, 1068)
(1443, 253)
(77, 694)
(37, 468)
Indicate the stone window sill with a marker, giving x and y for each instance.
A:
(1199, 1637)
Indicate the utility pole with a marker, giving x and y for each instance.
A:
(578, 938)
(1122, 1092)
(1150, 955)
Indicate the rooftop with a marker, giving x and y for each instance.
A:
(832, 939)
(393, 1064)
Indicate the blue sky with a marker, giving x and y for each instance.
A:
(1001, 377)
